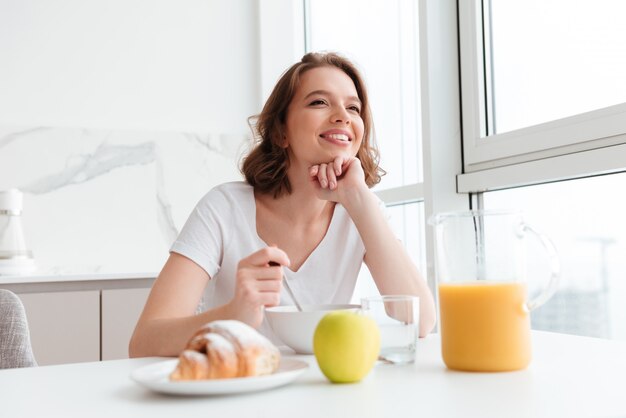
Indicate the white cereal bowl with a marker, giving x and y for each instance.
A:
(295, 328)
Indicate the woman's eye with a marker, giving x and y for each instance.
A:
(355, 109)
(317, 102)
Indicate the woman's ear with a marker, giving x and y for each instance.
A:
(283, 138)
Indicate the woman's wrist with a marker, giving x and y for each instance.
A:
(226, 311)
(358, 199)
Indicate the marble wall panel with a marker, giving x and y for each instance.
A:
(110, 201)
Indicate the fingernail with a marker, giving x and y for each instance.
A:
(332, 184)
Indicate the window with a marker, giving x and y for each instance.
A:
(389, 60)
(407, 221)
(540, 79)
(544, 124)
(585, 220)
(571, 62)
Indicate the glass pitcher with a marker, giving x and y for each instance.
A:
(481, 274)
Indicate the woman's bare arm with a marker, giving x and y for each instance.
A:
(392, 269)
(168, 320)
(342, 180)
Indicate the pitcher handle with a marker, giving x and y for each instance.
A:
(555, 270)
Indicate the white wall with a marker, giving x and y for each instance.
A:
(116, 116)
(138, 64)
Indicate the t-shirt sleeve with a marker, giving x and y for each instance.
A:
(202, 238)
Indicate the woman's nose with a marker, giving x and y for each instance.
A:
(340, 116)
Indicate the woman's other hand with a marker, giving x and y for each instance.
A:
(334, 180)
(257, 285)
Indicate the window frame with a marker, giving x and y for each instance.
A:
(522, 150)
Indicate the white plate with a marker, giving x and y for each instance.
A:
(156, 377)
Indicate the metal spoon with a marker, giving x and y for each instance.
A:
(289, 291)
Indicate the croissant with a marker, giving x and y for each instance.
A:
(226, 349)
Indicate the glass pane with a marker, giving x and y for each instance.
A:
(407, 223)
(389, 59)
(553, 59)
(585, 220)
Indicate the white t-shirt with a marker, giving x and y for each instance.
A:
(221, 231)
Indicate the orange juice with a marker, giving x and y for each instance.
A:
(484, 326)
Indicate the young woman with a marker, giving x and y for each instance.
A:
(306, 205)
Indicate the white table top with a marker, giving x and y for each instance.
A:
(568, 377)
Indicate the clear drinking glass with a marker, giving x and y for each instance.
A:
(397, 317)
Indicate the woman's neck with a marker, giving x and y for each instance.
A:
(300, 206)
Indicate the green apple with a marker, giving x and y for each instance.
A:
(346, 346)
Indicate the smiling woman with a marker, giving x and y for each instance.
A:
(324, 124)
(306, 213)
(268, 161)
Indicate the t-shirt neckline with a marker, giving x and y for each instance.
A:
(316, 250)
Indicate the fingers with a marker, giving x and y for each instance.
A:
(322, 176)
(253, 282)
(338, 165)
(260, 276)
(264, 256)
(269, 286)
(327, 174)
(269, 299)
(332, 178)
(258, 286)
(261, 273)
(259, 292)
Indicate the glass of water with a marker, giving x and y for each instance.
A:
(397, 317)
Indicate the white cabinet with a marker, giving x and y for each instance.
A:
(64, 326)
(73, 327)
(83, 317)
(120, 311)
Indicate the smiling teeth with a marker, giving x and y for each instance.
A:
(340, 137)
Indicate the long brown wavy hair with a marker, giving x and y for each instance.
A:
(265, 167)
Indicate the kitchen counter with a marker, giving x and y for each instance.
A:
(80, 317)
(569, 376)
(76, 282)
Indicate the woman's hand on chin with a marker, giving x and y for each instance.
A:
(338, 179)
